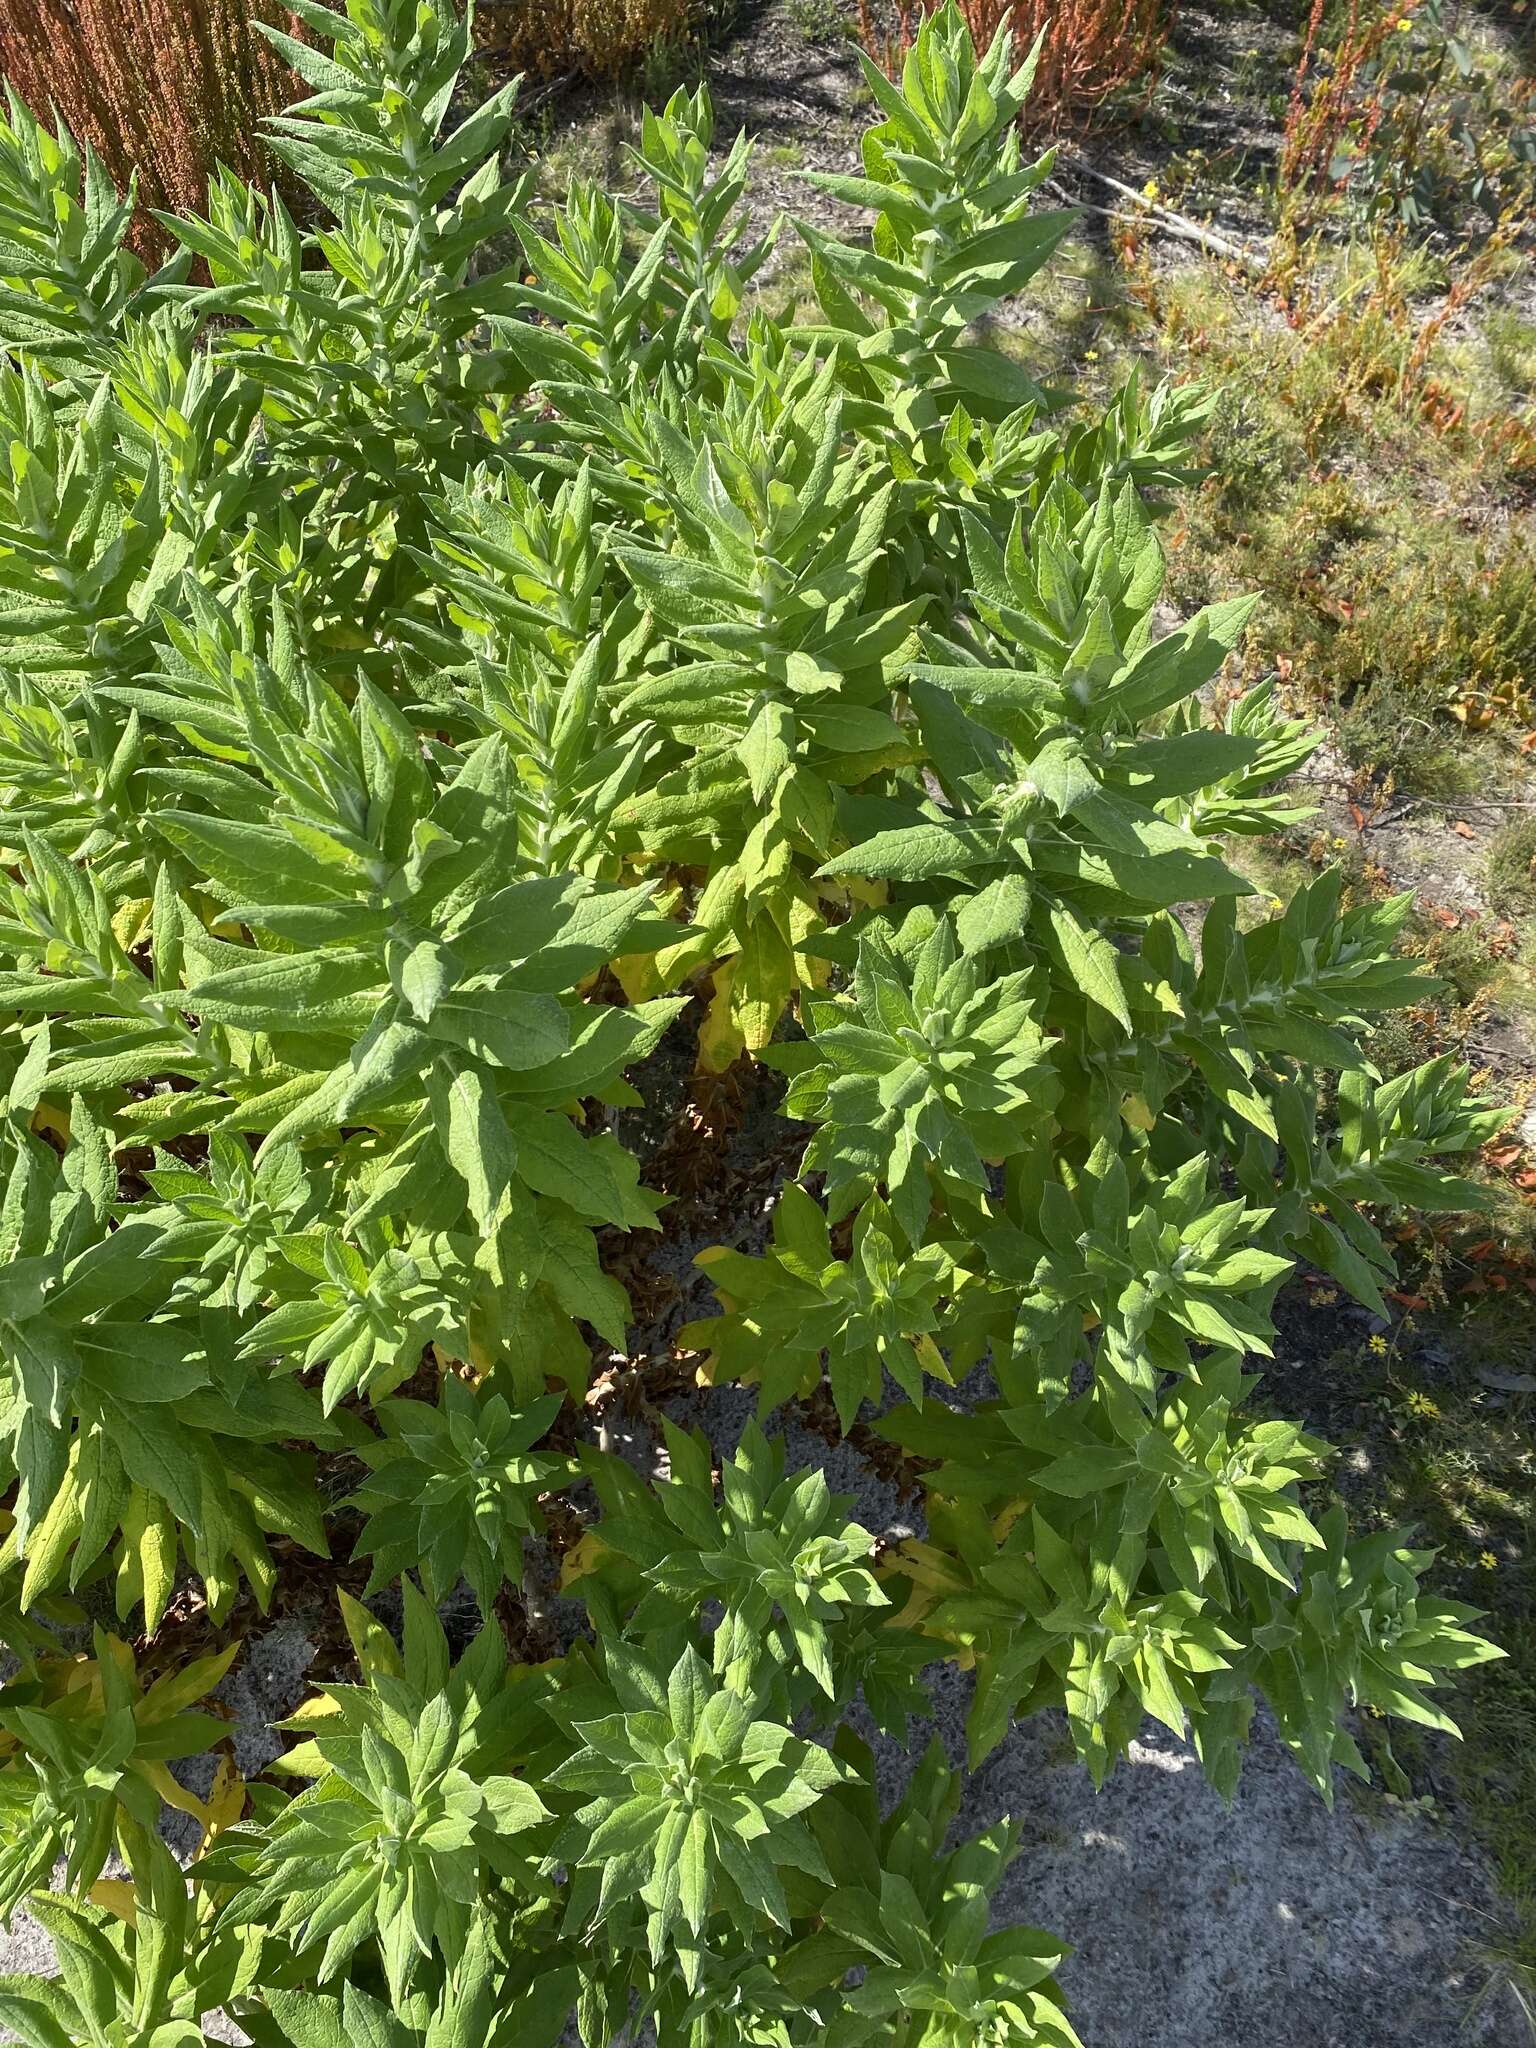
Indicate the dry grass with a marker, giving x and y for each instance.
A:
(597, 39)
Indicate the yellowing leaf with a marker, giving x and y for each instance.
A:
(762, 976)
(720, 1036)
(176, 1690)
(224, 1805)
(115, 1895)
(171, 1791)
(582, 1558)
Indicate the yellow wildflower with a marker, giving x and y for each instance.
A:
(1487, 1560)
(1378, 1345)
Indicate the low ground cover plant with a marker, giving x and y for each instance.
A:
(445, 652)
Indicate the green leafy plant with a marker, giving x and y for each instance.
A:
(775, 1553)
(83, 1754)
(925, 1074)
(913, 1916)
(871, 1313)
(449, 645)
(123, 1981)
(454, 1490)
(123, 1415)
(698, 1803)
(408, 1803)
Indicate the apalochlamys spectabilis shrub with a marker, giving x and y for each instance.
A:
(442, 653)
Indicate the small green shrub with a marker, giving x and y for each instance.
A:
(1249, 447)
(422, 680)
(1511, 342)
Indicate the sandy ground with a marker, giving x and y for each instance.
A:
(1273, 1925)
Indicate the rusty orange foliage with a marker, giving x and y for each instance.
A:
(160, 89)
(1093, 49)
(598, 39)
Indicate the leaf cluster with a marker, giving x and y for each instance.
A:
(442, 638)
